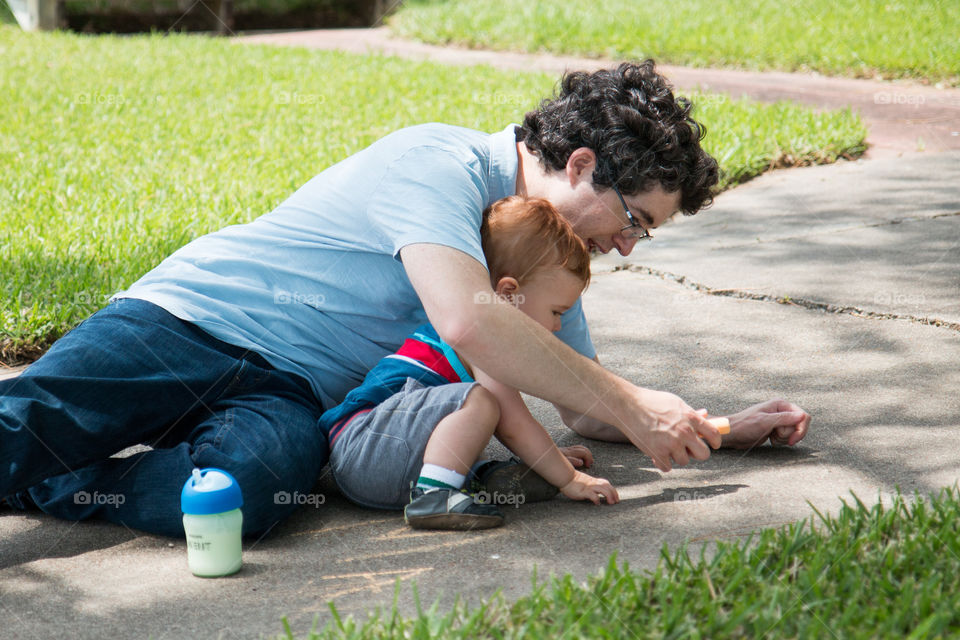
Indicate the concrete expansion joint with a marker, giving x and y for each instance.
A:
(812, 305)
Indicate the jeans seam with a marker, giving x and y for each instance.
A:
(224, 428)
(240, 381)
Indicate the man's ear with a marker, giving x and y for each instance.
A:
(580, 165)
(507, 288)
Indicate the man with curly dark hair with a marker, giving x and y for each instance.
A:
(226, 354)
(641, 136)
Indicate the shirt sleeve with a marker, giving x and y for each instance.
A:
(430, 195)
(575, 332)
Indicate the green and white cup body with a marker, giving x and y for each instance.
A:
(214, 543)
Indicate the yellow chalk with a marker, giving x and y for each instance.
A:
(722, 425)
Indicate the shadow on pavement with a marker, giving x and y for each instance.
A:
(38, 536)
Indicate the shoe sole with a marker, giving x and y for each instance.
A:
(455, 522)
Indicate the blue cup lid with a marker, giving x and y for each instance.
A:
(210, 491)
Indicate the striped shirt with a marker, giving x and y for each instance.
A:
(423, 357)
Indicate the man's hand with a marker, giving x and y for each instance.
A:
(578, 455)
(784, 423)
(586, 487)
(671, 436)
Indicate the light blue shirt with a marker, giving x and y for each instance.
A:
(316, 286)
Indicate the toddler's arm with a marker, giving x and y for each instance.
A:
(520, 432)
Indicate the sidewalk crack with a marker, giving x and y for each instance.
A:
(812, 305)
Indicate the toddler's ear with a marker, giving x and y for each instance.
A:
(507, 287)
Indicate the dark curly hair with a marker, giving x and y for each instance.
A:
(639, 132)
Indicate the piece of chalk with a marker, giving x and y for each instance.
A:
(722, 425)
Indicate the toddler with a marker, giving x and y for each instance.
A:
(423, 415)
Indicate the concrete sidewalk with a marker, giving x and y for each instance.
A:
(835, 287)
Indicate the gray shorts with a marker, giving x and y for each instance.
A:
(379, 453)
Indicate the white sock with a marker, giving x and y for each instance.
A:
(433, 476)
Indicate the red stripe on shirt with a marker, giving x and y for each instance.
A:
(430, 357)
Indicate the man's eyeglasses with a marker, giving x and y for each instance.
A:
(634, 230)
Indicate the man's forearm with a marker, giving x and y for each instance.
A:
(515, 350)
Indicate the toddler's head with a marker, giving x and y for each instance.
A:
(535, 259)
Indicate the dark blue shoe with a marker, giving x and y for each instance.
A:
(449, 509)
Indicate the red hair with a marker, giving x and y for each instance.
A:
(522, 235)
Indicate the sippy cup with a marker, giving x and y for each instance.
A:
(211, 502)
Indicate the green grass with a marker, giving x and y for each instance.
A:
(6, 16)
(864, 38)
(868, 572)
(119, 150)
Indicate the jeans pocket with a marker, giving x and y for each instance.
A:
(248, 376)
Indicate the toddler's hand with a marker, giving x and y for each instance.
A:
(578, 455)
(586, 487)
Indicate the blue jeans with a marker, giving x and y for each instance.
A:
(130, 374)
